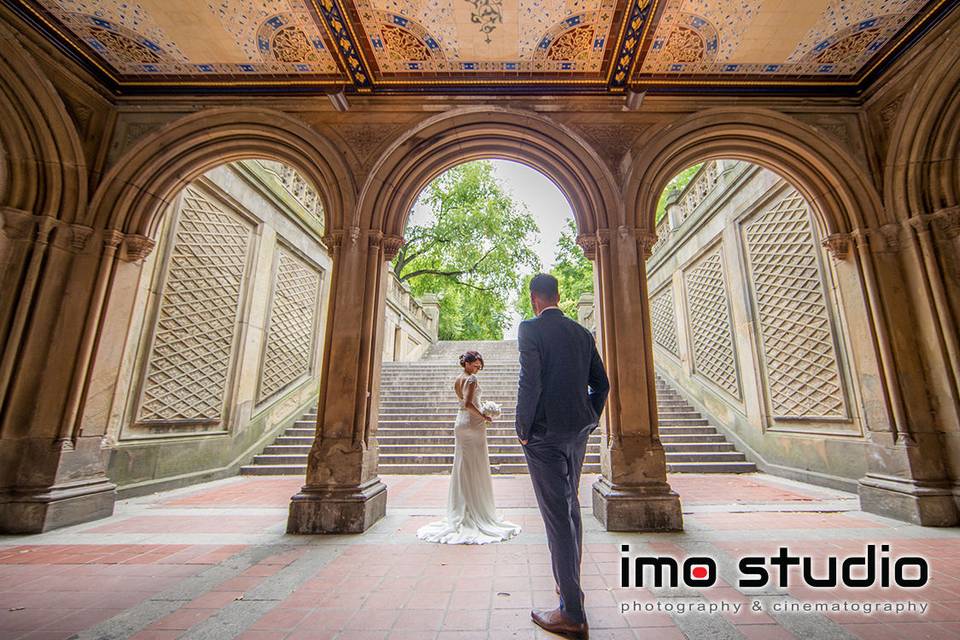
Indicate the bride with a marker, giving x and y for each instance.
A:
(471, 516)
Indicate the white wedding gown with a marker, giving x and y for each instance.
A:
(471, 512)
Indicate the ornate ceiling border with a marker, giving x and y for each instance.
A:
(932, 13)
(634, 39)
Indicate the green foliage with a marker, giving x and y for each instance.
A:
(678, 184)
(573, 271)
(471, 254)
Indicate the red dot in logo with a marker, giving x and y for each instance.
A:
(699, 573)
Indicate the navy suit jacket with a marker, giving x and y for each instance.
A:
(563, 386)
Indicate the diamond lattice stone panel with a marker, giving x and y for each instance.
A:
(710, 323)
(189, 362)
(664, 320)
(292, 321)
(803, 379)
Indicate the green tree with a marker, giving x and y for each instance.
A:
(471, 253)
(678, 184)
(573, 271)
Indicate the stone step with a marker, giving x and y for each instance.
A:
(503, 469)
(445, 448)
(417, 410)
(711, 467)
(666, 438)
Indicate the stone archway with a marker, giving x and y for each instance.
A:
(840, 190)
(140, 184)
(122, 220)
(906, 477)
(343, 492)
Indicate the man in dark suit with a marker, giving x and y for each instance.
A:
(563, 388)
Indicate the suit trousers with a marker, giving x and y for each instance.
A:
(555, 468)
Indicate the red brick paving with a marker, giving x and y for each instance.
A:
(396, 590)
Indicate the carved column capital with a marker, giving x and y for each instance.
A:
(589, 246)
(391, 246)
(353, 234)
(112, 240)
(333, 239)
(136, 248)
(374, 238)
(79, 237)
(645, 241)
(838, 245)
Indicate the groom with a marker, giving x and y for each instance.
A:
(563, 388)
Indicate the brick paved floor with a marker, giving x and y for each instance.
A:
(213, 561)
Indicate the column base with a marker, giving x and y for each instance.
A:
(49, 508)
(652, 507)
(337, 510)
(926, 504)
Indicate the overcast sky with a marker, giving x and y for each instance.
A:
(543, 200)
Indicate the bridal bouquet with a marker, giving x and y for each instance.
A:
(490, 409)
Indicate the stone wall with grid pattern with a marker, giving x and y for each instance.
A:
(190, 357)
(293, 313)
(797, 342)
(664, 319)
(710, 328)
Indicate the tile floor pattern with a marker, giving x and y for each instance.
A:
(213, 561)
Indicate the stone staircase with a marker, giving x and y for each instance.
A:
(418, 407)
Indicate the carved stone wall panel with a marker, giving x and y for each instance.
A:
(293, 313)
(709, 320)
(664, 319)
(189, 361)
(802, 374)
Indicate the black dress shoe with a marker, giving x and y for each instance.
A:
(556, 621)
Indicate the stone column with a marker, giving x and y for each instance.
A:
(52, 469)
(343, 493)
(906, 478)
(633, 493)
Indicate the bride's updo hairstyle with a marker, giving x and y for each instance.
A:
(471, 356)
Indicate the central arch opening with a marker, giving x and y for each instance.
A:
(474, 237)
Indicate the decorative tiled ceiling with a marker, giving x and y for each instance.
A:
(482, 45)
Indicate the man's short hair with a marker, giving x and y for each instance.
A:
(545, 287)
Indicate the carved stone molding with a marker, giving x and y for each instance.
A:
(890, 110)
(947, 222)
(136, 248)
(885, 239)
(837, 245)
(391, 246)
